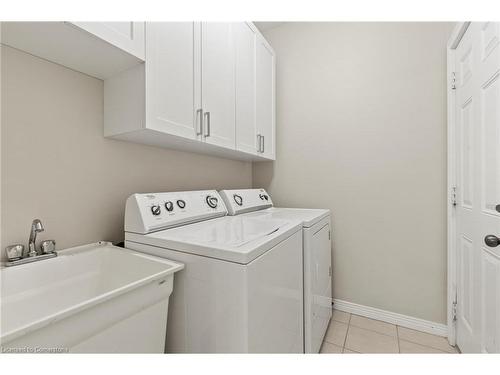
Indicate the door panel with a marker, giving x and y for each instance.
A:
(491, 302)
(245, 87)
(265, 106)
(478, 161)
(489, 39)
(466, 282)
(467, 162)
(218, 89)
(171, 88)
(490, 97)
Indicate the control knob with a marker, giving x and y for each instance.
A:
(238, 199)
(155, 210)
(181, 203)
(169, 206)
(212, 201)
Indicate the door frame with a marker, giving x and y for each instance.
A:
(454, 40)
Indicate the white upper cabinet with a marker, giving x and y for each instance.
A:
(99, 49)
(217, 76)
(205, 87)
(129, 36)
(246, 133)
(265, 98)
(172, 88)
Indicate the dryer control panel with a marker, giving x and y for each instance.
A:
(245, 200)
(151, 212)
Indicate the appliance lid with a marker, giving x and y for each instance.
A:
(238, 239)
(307, 216)
(233, 232)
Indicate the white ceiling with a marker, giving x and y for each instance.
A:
(262, 26)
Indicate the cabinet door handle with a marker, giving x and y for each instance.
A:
(199, 121)
(207, 129)
(259, 142)
(263, 143)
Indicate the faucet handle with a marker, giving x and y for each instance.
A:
(48, 246)
(14, 252)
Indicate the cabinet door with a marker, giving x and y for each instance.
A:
(129, 36)
(172, 78)
(218, 90)
(244, 44)
(265, 98)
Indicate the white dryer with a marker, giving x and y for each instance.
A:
(241, 289)
(316, 252)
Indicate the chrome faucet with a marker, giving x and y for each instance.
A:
(16, 254)
(36, 227)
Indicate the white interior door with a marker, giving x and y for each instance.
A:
(173, 78)
(488, 121)
(477, 116)
(218, 89)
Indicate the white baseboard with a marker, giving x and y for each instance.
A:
(391, 317)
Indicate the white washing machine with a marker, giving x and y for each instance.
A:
(316, 249)
(241, 289)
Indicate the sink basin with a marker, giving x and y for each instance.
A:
(93, 298)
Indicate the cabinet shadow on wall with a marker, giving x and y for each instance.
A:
(265, 172)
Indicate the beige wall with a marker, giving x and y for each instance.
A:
(361, 130)
(57, 166)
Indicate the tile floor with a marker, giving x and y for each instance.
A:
(349, 333)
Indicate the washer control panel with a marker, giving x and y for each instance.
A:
(245, 200)
(145, 213)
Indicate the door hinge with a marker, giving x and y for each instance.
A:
(453, 81)
(454, 309)
(330, 271)
(453, 196)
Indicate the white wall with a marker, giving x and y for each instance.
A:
(361, 130)
(57, 166)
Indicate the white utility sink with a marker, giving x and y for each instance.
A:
(93, 298)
